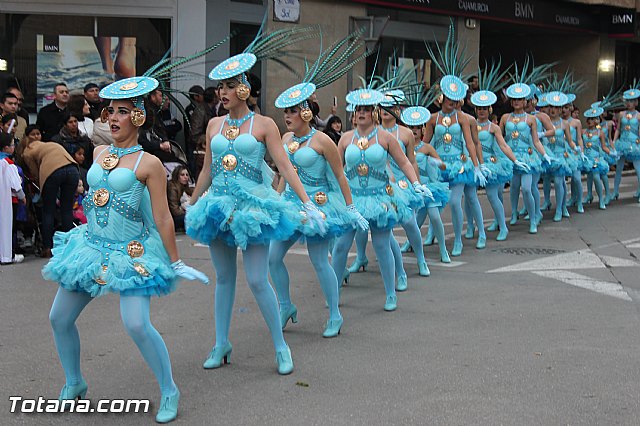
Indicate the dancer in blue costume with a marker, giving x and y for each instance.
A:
(575, 127)
(594, 149)
(127, 247)
(558, 146)
(627, 137)
(428, 162)
(449, 133)
(521, 134)
(547, 178)
(365, 151)
(501, 159)
(319, 166)
(240, 208)
(405, 140)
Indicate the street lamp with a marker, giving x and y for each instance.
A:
(605, 65)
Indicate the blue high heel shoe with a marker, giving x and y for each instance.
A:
(502, 235)
(546, 205)
(533, 228)
(345, 277)
(471, 231)
(522, 212)
(168, 408)
(357, 264)
(558, 216)
(69, 392)
(493, 226)
(391, 304)
(588, 199)
(290, 313)
(332, 328)
(284, 361)
(423, 269)
(402, 283)
(457, 249)
(580, 208)
(428, 240)
(482, 242)
(602, 205)
(406, 247)
(514, 219)
(565, 212)
(218, 355)
(444, 257)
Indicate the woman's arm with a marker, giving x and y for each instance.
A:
(396, 153)
(603, 143)
(204, 178)
(468, 139)
(154, 177)
(332, 155)
(276, 150)
(410, 146)
(617, 134)
(502, 143)
(431, 152)
(567, 134)
(534, 136)
(549, 130)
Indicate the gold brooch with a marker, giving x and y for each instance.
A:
(627, 127)
(589, 144)
(515, 134)
(446, 121)
(139, 268)
(530, 151)
(363, 169)
(447, 137)
(566, 154)
(229, 162)
(389, 189)
(463, 158)
(493, 159)
(135, 248)
(293, 147)
(403, 184)
(231, 132)
(629, 116)
(110, 161)
(320, 198)
(362, 143)
(101, 197)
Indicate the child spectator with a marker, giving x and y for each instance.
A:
(78, 211)
(79, 156)
(10, 184)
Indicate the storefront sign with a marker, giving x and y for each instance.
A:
(286, 10)
(571, 16)
(622, 22)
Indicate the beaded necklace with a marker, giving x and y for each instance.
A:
(297, 141)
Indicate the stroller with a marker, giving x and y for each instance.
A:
(34, 213)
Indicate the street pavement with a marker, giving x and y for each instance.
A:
(539, 329)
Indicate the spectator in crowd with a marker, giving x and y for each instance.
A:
(9, 105)
(80, 157)
(503, 104)
(101, 133)
(92, 95)
(212, 100)
(254, 96)
(179, 195)
(56, 173)
(31, 133)
(467, 106)
(79, 107)
(51, 117)
(318, 122)
(8, 122)
(494, 119)
(153, 136)
(575, 113)
(10, 187)
(78, 211)
(21, 111)
(199, 115)
(164, 123)
(436, 105)
(334, 128)
(196, 97)
(71, 139)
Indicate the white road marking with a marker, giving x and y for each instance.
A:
(577, 280)
(581, 259)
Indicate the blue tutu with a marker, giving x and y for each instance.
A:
(628, 146)
(338, 218)
(574, 160)
(457, 171)
(408, 195)
(382, 206)
(248, 216)
(441, 194)
(501, 169)
(77, 262)
(530, 157)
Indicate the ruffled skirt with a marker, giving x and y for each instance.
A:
(457, 171)
(242, 217)
(628, 146)
(595, 164)
(77, 265)
(501, 169)
(441, 194)
(382, 206)
(529, 157)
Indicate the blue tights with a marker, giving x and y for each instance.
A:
(134, 311)
(518, 182)
(435, 225)
(576, 187)
(256, 268)
(535, 192)
(546, 188)
(618, 178)
(494, 194)
(455, 203)
(380, 238)
(472, 208)
(319, 255)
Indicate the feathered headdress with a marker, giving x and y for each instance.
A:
(490, 81)
(633, 92)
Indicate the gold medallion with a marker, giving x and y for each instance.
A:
(129, 86)
(320, 198)
(493, 159)
(627, 127)
(446, 121)
(552, 139)
(231, 132)
(515, 134)
(362, 143)
(139, 268)
(530, 151)
(229, 162)
(598, 127)
(135, 248)
(363, 169)
(293, 147)
(566, 154)
(110, 161)
(389, 189)
(403, 184)
(479, 127)
(590, 135)
(100, 279)
(447, 137)
(589, 144)
(629, 116)
(463, 158)
(101, 197)
(516, 120)
(638, 141)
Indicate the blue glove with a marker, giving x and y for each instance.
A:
(422, 190)
(547, 158)
(435, 162)
(614, 153)
(541, 135)
(479, 177)
(315, 216)
(485, 170)
(187, 272)
(522, 165)
(584, 157)
(362, 223)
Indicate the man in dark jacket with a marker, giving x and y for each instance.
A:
(50, 118)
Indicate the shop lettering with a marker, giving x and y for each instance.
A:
(51, 48)
(567, 20)
(420, 1)
(473, 6)
(523, 10)
(622, 19)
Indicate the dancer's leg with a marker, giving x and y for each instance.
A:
(558, 185)
(225, 263)
(319, 255)
(415, 238)
(468, 212)
(455, 203)
(618, 178)
(498, 209)
(397, 255)
(66, 308)
(279, 273)
(340, 253)
(590, 182)
(546, 188)
(134, 311)
(514, 195)
(598, 185)
(576, 182)
(361, 260)
(527, 196)
(382, 246)
(471, 193)
(535, 178)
